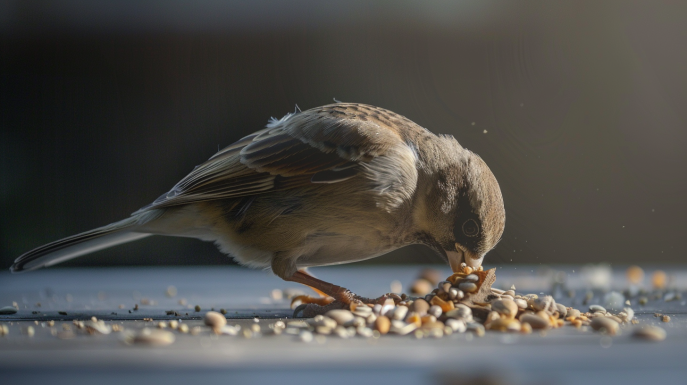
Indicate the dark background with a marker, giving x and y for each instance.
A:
(579, 108)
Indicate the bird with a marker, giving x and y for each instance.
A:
(334, 184)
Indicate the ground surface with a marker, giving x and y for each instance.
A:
(562, 356)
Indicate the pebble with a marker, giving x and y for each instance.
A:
(388, 306)
(476, 328)
(444, 287)
(8, 310)
(574, 313)
(651, 333)
(468, 287)
(377, 309)
(341, 316)
(419, 306)
(605, 324)
(153, 337)
(365, 332)
(215, 321)
(597, 309)
(505, 307)
(665, 318)
(471, 278)
(535, 321)
(505, 325)
(545, 303)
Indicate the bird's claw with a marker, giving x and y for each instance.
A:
(306, 299)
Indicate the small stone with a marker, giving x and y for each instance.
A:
(320, 320)
(401, 328)
(546, 303)
(505, 325)
(535, 321)
(574, 313)
(605, 324)
(382, 324)
(215, 321)
(8, 310)
(665, 318)
(650, 333)
(419, 306)
(471, 278)
(341, 316)
(153, 337)
(505, 307)
(444, 287)
(467, 287)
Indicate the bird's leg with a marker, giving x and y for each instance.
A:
(322, 300)
(342, 296)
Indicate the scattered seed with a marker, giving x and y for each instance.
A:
(650, 333)
(605, 324)
(665, 318)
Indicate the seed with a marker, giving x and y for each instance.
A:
(173, 324)
(414, 318)
(574, 313)
(455, 294)
(421, 287)
(8, 310)
(445, 306)
(305, 336)
(468, 287)
(665, 318)
(171, 291)
(419, 306)
(382, 324)
(522, 304)
(153, 337)
(4, 330)
(659, 279)
(456, 325)
(535, 321)
(197, 308)
(435, 311)
(643, 300)
(215, 321)
(562, 311)
(545, 303)
(635, 274)
(651, 333)
(341, 316)
(400, 312)
(605, 324)
(321, 320)
(400, 328)
(183, 328)
(461, 312)
(597, 309)
(444, 287)
(525, 328)
(505, 307)
(477, 329)
(433, 276)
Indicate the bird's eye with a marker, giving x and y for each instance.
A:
(470, 228)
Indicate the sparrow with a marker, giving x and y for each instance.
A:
(335, 184)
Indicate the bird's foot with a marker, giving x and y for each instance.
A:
(306, 299)
(344, 301)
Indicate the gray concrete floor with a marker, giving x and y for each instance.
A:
(561, 356)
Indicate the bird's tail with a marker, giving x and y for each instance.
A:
(84, 243)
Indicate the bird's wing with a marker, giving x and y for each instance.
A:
(329, 144)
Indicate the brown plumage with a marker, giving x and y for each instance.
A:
(334, 184)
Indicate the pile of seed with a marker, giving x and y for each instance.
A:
(465, 302)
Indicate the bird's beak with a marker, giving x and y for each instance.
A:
(455, 258)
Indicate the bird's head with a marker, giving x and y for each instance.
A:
(462, 213)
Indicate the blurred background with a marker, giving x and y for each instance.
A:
(579, 108)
